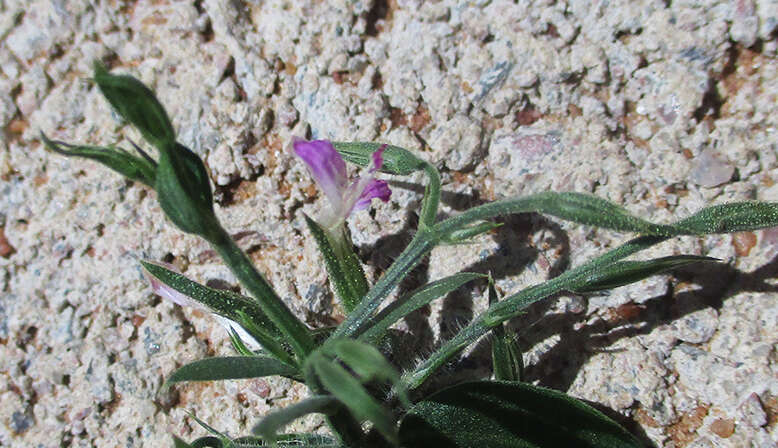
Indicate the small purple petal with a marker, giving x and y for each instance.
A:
(326, 166)
(165, 291)
(375, 189)
(378, 158)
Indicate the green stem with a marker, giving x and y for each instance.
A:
(513, 305)
(420, 246)
(295, 331)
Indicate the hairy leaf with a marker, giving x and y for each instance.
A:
(626, 272)
(230, 368)
(499, 414)
(277, 419)
(591, 210)
(727, 218)
(343, 267)
(377, 326)
(184, 192)
(299, 440)
(139, 169)
(239, 345)
(241, 309)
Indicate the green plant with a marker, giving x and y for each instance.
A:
(365, 400)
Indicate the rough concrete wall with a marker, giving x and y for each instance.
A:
(662, 107)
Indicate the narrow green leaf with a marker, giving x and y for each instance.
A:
(397, 160)
(575, 207)
(498, 414)
(230, 368)
(507, 362)
(137, 104)
(277, 419)
(591, 210)
(231, 305)
(343, 266)
(727, 218)
(347, 389)
(139, 169)
(377, 326)
(626, 272)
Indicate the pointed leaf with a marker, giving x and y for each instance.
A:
(396, 160)
(343, 267)
(591, 210)
(137, 104)
(407, 304)
(575, 207)
(353, 395)
(623, 273)
(727, 218)
(241, 309)
(277, 419)
(499, 414)
(230, 368)
(140, 169)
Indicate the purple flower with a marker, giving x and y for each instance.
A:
(329, 171)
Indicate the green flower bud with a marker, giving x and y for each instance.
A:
(137, 104)
(396, 160)
(184, 192)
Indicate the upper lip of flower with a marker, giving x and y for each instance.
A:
(329, 171)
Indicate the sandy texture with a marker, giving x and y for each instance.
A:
(662, 107)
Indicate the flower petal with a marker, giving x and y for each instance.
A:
(326, 166)
(165, 291)
(374, 189)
